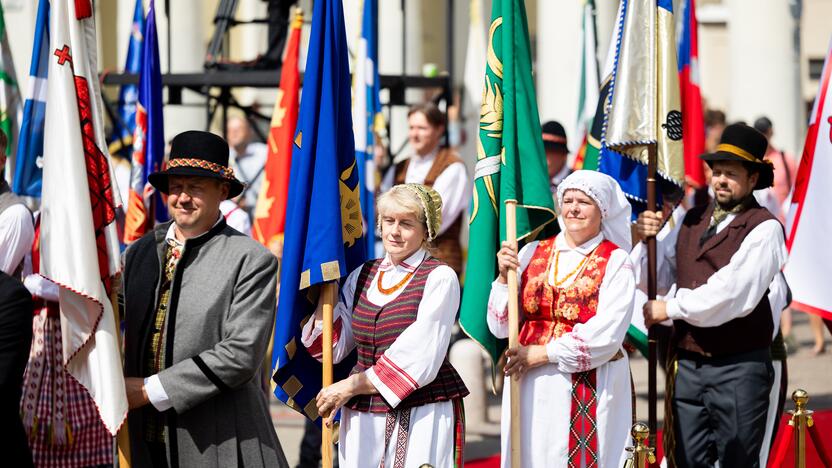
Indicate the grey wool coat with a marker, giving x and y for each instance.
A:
(218, 326)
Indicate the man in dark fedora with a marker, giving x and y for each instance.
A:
(199, 307)
(557, 152)
(723, 258)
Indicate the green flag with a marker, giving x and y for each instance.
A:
(10, 109)
(511, 165)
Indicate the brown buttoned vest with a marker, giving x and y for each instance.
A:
(696, 261)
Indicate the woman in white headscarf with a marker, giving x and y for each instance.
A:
(576, 294)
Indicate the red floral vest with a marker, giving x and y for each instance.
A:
(550, 312)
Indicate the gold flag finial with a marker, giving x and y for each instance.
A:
(297, 19)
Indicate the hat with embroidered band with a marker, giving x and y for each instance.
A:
(742, 143)
(198, 154)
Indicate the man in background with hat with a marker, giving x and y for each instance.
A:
(723, 258)
(557, 152)
(199, 308)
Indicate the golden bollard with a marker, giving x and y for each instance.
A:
(641, 453)
(801, 420)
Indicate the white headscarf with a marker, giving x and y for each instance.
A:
(607, 194)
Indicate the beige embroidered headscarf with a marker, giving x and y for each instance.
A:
(432, 204)
(429, 201)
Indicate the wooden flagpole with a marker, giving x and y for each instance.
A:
(513, 336)
(329, 292)
(123, 436)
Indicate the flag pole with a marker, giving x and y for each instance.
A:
(329, 292)
(513, 335)
(652, 356)
(123, 435)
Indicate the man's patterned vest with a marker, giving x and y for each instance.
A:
(375, 328)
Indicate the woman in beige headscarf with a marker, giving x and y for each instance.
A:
(402, 402)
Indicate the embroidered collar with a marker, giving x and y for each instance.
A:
(170, 236)
(584, 249)
(408, 265)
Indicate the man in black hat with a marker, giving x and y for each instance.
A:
(199, 307)
(554, 142)
(723, 258)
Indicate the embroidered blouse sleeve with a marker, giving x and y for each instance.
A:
(414, 358)
(497, 310)
(735, 289)
(342, 338)
(595, 342)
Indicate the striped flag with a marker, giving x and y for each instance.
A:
(270, 212)
(146, 206)
(79, 244)
(590, 152)
(28, 171)
(809, 224)
(121, 141)
(588, 92)
(693, 117)
(367, 118)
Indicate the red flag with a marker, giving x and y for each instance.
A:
(808, 224)
(270, 212)
(693, 124)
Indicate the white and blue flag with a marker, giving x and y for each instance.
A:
(368, 121)
(28, 171)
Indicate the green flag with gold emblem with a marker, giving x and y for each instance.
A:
(511, 165)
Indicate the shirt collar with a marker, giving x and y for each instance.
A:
(428, 157)
(170, 236)
(584, 249)
(408, 265)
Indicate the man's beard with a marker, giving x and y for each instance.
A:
(732, 202)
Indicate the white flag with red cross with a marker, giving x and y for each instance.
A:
(79, 244)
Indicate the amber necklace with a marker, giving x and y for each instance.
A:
(395, 287)
(559, 283)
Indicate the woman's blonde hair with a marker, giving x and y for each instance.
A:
(421, 201)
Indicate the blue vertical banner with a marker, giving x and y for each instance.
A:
(325, 239)
(145, 206)
(28, 172)
(123, 129)
(367, 118)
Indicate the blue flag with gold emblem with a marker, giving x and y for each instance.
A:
(323, 240)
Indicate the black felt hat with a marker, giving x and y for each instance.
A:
(742, 143)
(198, 154)
(554, 136)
